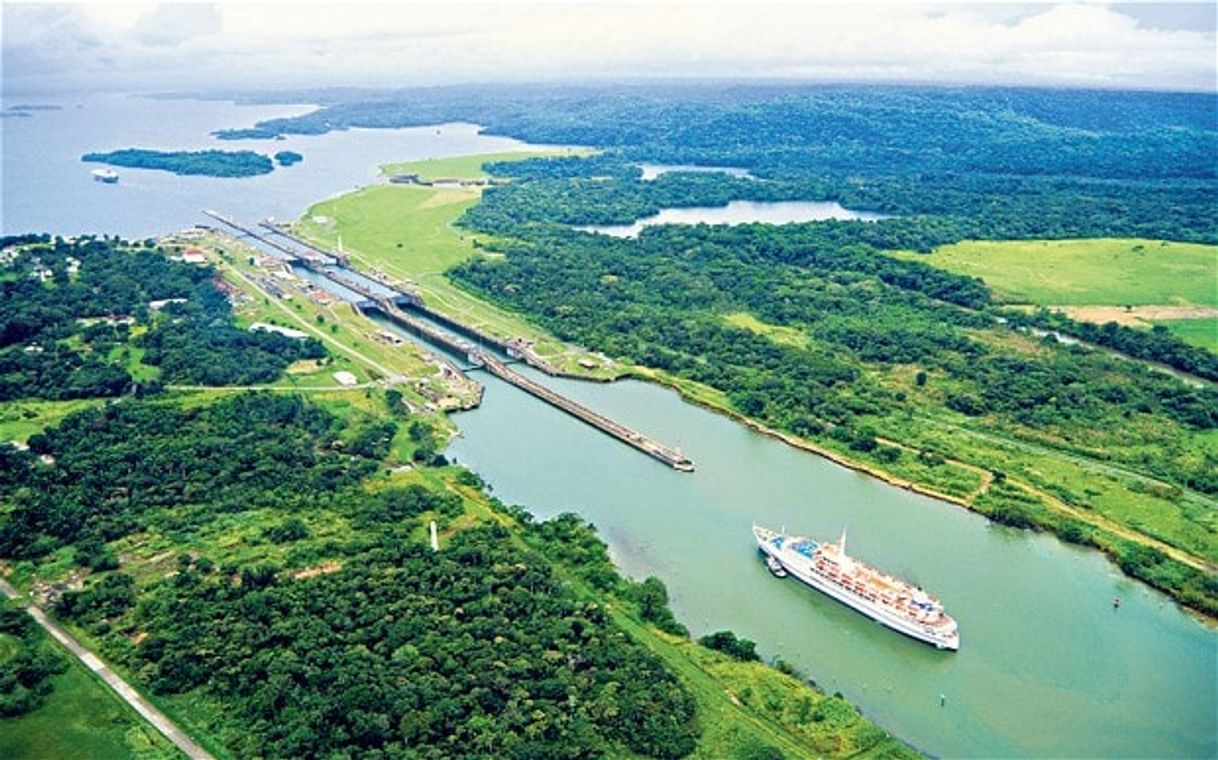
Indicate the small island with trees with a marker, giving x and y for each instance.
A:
(210, 163)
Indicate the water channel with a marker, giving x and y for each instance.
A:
(1046, 667)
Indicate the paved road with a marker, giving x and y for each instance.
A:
(158, 719)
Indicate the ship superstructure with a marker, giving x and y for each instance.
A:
(827, 568)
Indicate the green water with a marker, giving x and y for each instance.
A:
(1047, 667)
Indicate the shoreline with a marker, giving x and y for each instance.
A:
(643, 374)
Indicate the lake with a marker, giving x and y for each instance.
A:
(737, 212)
(1046, 668)
(46, 187)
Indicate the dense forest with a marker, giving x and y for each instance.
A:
(210, 163)
(365, 642)
(987, 162)
(856, 327)
(183, 468)
(77, 317)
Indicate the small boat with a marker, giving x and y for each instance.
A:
(109, 176)
(775, 567)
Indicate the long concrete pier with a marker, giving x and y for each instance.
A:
(483, 359)
(450, 339)
(671, 457)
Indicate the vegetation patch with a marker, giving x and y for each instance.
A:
(1199, 332)
(471, 167)
(28, 663)
(101, 317)
(210, 163)
(281, 599)
(1087, 272)
(81, 718)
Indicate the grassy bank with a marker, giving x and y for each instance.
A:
(408, 233)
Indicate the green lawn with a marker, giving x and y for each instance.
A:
(1199, 332)
(81, 720)
(1086, 272)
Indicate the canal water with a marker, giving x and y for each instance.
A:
(1046, 668)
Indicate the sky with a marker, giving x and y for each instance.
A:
(51, 47)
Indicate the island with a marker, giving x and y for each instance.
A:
(288, 157)
(210, 163)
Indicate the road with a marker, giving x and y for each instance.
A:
(158, 719)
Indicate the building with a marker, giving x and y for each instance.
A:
(287, 332)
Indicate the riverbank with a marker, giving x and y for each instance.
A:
(412, 233)
(709, 399)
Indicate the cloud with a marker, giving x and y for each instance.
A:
(259, 45)
(171, 25)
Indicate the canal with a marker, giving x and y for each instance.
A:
(1047, 666)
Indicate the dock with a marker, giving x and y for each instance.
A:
(451, 336)
(484, 360)
(671, 457)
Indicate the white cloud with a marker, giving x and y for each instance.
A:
(125, 46)
(171, 25)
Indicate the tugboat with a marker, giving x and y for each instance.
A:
(775, 567)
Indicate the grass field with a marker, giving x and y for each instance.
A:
(1200, 332)
(469, 167)
(786, 336)
(81, 719)
(21, 419)
(1087, 272)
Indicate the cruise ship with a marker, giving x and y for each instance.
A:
(827, 568)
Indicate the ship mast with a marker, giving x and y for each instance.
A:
(841, 544)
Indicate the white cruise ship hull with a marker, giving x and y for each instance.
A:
(800, 568)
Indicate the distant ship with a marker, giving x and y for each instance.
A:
(883, 598)
(105, 175)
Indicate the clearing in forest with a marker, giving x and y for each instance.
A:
(1130, 281)
(1090, 272)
